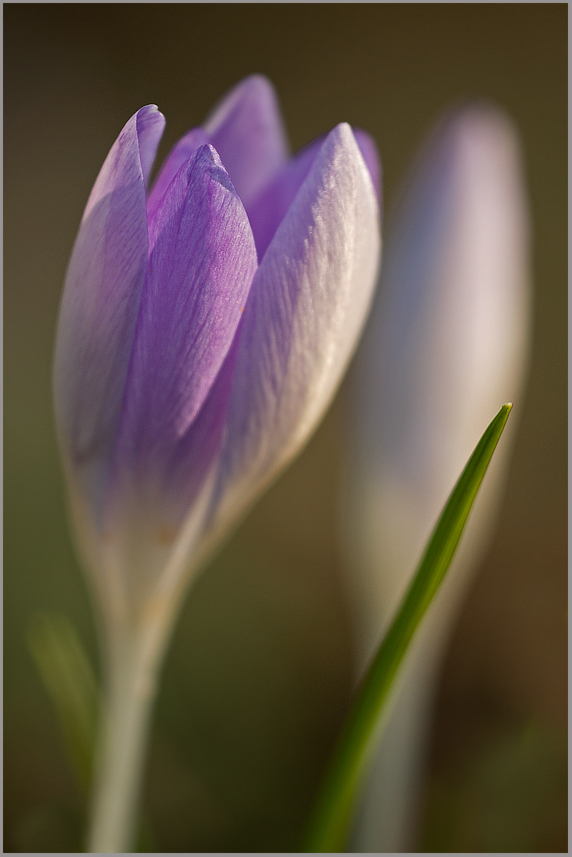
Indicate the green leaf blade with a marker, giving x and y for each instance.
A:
(68, 678)
(334, 811)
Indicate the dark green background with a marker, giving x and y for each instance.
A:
(259, 673)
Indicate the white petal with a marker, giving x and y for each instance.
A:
(446, 346)
(447, 338)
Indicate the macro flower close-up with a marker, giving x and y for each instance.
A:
(204, 328)
(285, 555)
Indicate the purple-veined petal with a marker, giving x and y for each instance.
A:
(181, 152)
(201, 267)
(307, 305)
(155, 521)
(246, 130)
(269, 209)
(101, 301)
(150, 127)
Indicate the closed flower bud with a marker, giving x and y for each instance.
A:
(445, 346)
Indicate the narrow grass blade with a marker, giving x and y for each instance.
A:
(334, 811)
(69, 680)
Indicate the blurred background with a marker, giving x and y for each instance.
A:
(259, 674)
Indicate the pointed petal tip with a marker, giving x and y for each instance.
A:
(225, 105)
(342, 132)
(478, 124)
(150, 124)
(361, 148)
(477, 109)
(354, 140)
(149, 117)
(482, 144)
(208, 159)
(246, 129)
(147, 108)
(259, 82)
(303, 318)
(256, 87)
(370, 154)
(101, 295)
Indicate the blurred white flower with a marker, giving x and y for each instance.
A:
(446, 345)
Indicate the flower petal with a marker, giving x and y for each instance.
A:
(370, 155)
(181, 152)
(452, 314)
(246, 130)
(101, 301)
(201, 267)
(304, 314)
(269, 209)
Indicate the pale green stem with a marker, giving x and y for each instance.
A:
(133, 660)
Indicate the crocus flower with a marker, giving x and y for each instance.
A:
(445, 346)
(205, 325)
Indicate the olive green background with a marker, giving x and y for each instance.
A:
(259, 674)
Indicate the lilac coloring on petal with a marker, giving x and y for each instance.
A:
(101, 301)
(181, 152)
(246, 130)
(201, 268)
(150, 127)
(307, 304)
(193, 456)
(269, 209)
(187, 376)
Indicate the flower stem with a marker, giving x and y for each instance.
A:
(133, 659)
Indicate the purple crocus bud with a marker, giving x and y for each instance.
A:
(446, 345)
(204, 328)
